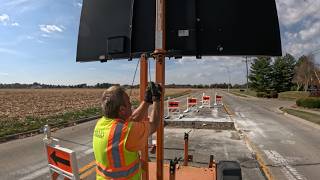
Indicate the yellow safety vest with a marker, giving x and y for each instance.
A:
(113, 160)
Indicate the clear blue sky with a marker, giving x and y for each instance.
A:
(38, 44)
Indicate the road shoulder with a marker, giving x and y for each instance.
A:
(296, 118)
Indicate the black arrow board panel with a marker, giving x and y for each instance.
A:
(116, 29)
(227, 27)
(122, 29)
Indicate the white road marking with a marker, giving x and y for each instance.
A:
(226, 152)
(215, 112)
(260, 131)
(36, 174)
(290, 142)
(89, 151)
(250, 124)
(242, 115)
(290, 172)
(29, 169)
(205, 119)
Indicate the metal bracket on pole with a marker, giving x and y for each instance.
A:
(47, 134)
(159, 55)
(211, 161)
(172, 170)
(186, 149)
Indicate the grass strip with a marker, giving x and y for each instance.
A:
(304, 115)
(244, 92)
(293, 95)
(238, 94)
(175, 95)
(14, 126)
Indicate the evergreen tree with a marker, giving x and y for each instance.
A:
(260, 74)
(283, 73)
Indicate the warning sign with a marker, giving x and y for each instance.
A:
(59, 158)
(191, 104)
(206, 101)
(173, 104)
(173, 108)
(206, 98)
(192, 101)
(219, 100)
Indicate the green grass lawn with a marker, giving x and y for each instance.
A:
(238, 94)
(293, 95)
(289, 95)
(304, 115)
(14, 126)
(244, 93)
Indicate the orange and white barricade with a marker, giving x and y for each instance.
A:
(206, 101)
(62, 162)
(173, 108)
(218, 100)
(191, 103)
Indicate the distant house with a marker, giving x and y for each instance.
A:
(36, 87)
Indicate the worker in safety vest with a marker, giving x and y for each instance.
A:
(120, 134)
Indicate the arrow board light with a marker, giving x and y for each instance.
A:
(124, 29)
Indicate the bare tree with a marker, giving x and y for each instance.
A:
(317, 73)
(306, 72)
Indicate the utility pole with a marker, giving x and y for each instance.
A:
(247, 74)
(229, 83)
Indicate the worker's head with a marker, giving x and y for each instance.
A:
(116, 103)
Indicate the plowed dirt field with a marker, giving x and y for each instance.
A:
(20, 103)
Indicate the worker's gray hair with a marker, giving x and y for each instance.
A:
(111, 101)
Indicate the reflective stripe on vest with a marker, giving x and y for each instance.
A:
(115, 154)
(124, 172)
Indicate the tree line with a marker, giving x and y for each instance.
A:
(36, 85)
(284, 74)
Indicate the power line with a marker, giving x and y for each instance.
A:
(247, 74)
(314, 52)
(134, 77)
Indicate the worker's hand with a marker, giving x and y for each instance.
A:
(156, 92)
(148, 94)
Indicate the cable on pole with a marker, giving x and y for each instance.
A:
(149, 67)
(134, 77)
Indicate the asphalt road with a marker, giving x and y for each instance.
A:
(289, 146)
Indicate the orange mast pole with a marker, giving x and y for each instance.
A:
(143, 87)
(160, 78)
(159, 55)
